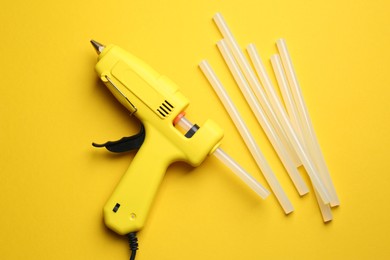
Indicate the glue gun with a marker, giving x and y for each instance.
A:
(156, 101)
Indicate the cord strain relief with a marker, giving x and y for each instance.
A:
(133, 241)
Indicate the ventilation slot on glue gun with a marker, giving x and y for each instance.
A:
(165, 108)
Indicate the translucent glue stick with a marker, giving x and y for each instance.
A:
(325, 209)
(286, 94)
(247, 137)
(260, 115)
(294, 116)
(260, 69)
(306, 124)
(230, 163)
(274, 99)
(256, 87)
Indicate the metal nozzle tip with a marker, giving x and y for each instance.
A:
(98, 46)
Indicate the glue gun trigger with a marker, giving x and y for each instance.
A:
(125, 144)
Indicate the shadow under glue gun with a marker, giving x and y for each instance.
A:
(157, 103)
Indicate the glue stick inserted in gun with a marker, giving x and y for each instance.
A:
(157, 102)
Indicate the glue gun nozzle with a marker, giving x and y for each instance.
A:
(98, 46)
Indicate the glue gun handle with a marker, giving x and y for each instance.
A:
(128, 207)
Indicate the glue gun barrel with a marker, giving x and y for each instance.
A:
(230, 163)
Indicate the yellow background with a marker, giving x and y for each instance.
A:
(53, 183)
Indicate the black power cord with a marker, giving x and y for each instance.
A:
(133, 243)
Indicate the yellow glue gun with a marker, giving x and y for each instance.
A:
(157, 103)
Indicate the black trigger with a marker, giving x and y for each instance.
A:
(125, 144)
